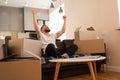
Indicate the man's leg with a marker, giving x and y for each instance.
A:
(63, 52)
(51, 51)
(71, 50)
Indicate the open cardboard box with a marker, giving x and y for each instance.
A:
(22, 69)
(85, 34)
(88, 42)
(19, 46)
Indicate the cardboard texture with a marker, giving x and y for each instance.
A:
(20, 45)
(20, 70)
(1, 49)
(33, 46)
(1, 52)
(90, 46)
(85, 35)
(76, 33)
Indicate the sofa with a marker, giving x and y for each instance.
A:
(67, 69)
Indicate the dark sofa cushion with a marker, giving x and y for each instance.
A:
(59, 44)
(68, 42)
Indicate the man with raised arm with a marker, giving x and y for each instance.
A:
(49, 40)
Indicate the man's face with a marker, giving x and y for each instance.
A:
(45, 29)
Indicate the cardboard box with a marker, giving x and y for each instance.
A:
(90, 46)
(1, 49)
(26, 69)
(19, 46)
(1, 52)
(85, 34)
(77, 34)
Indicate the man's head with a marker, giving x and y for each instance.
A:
(45, 29)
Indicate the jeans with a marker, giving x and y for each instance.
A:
(55, 52)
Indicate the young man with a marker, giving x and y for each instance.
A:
(49, 40)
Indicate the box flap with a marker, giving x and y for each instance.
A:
(77, 29)
(76, 33)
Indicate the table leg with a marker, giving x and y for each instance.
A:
(57, 70)
(92, 70)
(95, 70)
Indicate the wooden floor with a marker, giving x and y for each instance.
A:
(101, 76)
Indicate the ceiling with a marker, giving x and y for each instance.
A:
(43, 4)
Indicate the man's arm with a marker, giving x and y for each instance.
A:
(59, 33)
(36, 27)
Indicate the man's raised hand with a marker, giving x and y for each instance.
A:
(33, 11)
(64, 17)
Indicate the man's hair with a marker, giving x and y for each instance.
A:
(42, 27)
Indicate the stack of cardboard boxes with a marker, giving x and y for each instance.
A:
(88, 41)
(24, 68)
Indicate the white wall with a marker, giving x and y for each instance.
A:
(103, 16)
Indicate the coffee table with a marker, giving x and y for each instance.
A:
(90, 60)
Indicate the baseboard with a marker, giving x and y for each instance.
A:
(113, 68)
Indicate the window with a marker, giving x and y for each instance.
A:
(56, 21)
